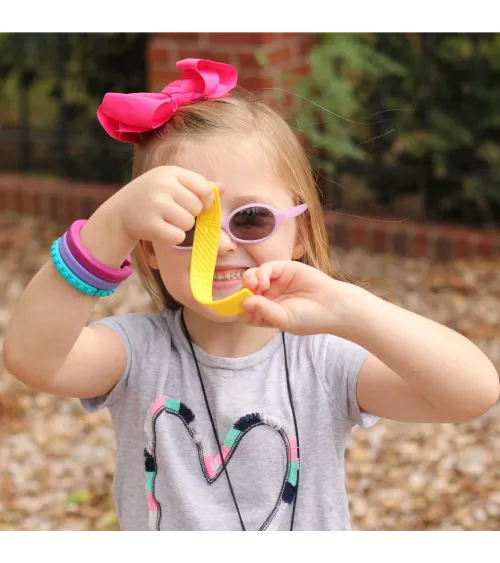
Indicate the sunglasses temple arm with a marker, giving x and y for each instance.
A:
(293, 212)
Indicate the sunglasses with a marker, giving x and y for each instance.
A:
(250, 223)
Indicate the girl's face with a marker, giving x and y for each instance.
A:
(245, 181)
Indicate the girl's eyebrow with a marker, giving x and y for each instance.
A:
(248, 198)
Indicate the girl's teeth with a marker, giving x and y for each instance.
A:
(228, 276)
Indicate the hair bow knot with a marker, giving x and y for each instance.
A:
(125, 116)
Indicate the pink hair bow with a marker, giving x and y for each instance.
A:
(124, 116)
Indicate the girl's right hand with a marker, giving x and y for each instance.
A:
(162, 204)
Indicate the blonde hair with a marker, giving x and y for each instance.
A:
(237, 115)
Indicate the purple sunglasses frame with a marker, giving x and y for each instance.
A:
(280, 215)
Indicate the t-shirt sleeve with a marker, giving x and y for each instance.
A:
(132, 328)
(338, 362)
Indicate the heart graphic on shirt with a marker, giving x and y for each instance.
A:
(212, 466)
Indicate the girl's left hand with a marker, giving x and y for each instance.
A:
(293, 297)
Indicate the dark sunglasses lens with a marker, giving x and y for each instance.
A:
(252, 223)
(188, 241)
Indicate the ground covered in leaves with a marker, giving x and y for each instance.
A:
(56, 461)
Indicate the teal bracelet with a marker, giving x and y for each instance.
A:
(71, 278)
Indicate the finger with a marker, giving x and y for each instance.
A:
(199, 185)
(264, 276)
(188, 200)
(281, 275)
(250, 279)
(165, 232)
(221, 187)
(269, 311)
(178, 216)
(259, 279)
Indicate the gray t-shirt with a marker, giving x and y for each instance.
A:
(169, 474)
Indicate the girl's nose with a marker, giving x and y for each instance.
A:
(226, 243)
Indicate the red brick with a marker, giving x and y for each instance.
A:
(289, 99)
(178, 36)
(461, 245)
(280, 55)
(158, 55)
(420, 244)
(248, 61)
(358, 234)
(37, 203)
(443, 248)
(27, 197)
(298, 68)
(18, 201)
(304, 45)
(401, 243)
(199, 53)
(340, 235)
(159, 79)
(378, 242)
(256, 82)
(72, 207)
(485, 247)
(243, 38)
(52, 207)
(496, 249)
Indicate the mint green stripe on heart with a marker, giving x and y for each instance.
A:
(231, 437)
(149, 481)
(172, 404)
(294, 469)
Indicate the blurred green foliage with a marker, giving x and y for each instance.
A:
(50, 87)
(414, 113)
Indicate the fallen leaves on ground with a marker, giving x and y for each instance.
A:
(57, 462)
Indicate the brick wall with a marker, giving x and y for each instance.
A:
(284, 52)
(61, 200)
(65, 201)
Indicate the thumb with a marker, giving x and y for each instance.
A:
(270, 311)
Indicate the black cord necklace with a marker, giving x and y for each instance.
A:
(186, 332)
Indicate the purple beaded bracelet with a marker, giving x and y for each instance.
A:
(79, 270)
(81, 254)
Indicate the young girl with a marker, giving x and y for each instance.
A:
(214, 414)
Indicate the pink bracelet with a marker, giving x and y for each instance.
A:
(82, 255)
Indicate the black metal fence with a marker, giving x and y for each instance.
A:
(50, 88)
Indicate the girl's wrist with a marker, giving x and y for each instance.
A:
(350, 307)
(105, 238)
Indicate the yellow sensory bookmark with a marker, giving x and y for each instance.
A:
(203, 260)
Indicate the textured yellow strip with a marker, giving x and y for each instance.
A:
(204, 258)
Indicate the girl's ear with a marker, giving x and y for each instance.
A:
(149, 254)
(298, 251)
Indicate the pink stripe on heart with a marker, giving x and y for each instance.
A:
(157, 404)
(293, 449)
(225, 452)
(207, 460)
(153, 507)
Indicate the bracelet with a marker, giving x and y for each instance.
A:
(90, 263)
(68, 275)
(78, 270)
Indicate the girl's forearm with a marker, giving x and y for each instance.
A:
(51, 314)
(439, 363)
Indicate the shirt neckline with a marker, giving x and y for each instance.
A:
(173, 318)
